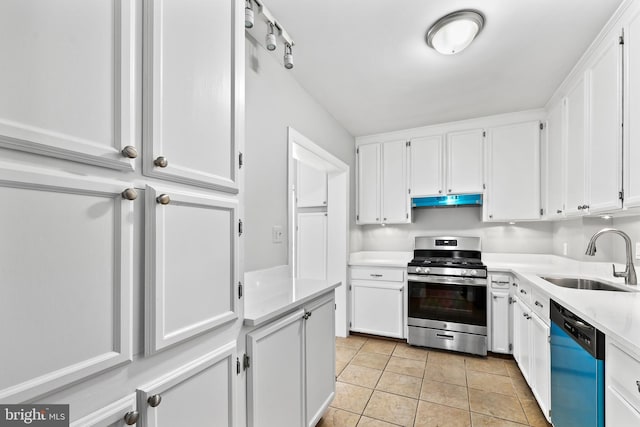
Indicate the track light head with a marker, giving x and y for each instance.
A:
(271, 38)
(248, 14)
(288, 56)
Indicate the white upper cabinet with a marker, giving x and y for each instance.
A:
(604, 168)
(382, 183)
(191, 94)
(427, 177)
(395, 197)
(575, 175)
(311, 188)
(464, 162)
(513, 172)
(368, 164)
(555, 161)
(67, 80)
(632, 108)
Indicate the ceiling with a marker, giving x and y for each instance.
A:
(367, 63)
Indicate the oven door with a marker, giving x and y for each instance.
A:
(450, 303)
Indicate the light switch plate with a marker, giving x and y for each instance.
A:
(277, 234)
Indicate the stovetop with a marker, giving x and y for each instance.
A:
(447, 262)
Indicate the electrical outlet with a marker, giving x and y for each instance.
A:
(277, 234)
(565, 248)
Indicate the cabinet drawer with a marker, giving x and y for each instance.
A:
(540, 304)
(523, 291)
(384, 274)
(623, 371)
(501, 281)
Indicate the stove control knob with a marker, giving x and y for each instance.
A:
(473, 273)
(418, 269)
(425, 270)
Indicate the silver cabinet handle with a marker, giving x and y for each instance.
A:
(154, 400)
(585, 207)
(514, 284)
(375, 275)
(161, 162)
(324, 203)
(439, 191)
(163, 199)
(522, 291)
(490, 216)
(131, 417)
(539, 304)
(449, 190)
(130, 194)
(385, 219)
(377, 219)
(580, 208)
(130, 152)
(559, 211)
(638, 385)
(524, 315)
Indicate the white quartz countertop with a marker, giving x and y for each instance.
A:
(617, 314)
(271, 293)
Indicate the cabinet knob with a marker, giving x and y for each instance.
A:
(559, 211)
(163, 199)
(524, 315)
(514, 284)
(385, 219)
(490, 216)
(449, 190)
(377, 219)
(161, 162)
(324, 203)
(539, 304)
(579, 207)
(585, 207)
(154, 400)
(131, 417)
(522, 291)
(495, 297)
(130, 194)
(130, 152)
(439, 191)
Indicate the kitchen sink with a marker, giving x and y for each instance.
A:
(578, 283)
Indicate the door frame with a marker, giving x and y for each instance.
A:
(337, 220)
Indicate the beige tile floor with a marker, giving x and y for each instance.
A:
(389, 383)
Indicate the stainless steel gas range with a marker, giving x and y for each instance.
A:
(447, 284)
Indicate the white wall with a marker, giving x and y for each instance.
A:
(275, 100)
(532, 237)
(577, 232)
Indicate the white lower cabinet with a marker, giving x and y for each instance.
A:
(622, 385)
(500, 340)
(117, 414)
(521, 338)
(378, 301)
(201, 393)
(291, 367)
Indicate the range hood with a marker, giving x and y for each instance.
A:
(446, 201)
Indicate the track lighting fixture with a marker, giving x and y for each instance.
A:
(288, 56)
(271, 38)
(248, 14)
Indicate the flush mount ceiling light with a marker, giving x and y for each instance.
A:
(454, 32)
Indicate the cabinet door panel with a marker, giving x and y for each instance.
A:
(55, 104)
(368, 184)
(465, 170)
(79, 235)
(605, 125)
(575, 177)
(377, 308)
(618, 411)
(500, 322)
(190, 101)
(110, 416)
(312, 246)
(320, 358)
(632, 109)
(191, 265)
(275, 379)
(513, 178)
(426, 166)
(540, 363)
(201, 393)
(395, 197)
(555, 161)
(311, 188)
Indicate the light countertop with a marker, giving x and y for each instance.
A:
(273, 292)
(617, 314)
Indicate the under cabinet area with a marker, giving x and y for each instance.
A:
(378, 301)
(291, 367)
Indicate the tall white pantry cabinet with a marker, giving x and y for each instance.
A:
(121, 126)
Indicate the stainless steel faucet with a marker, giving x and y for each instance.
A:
(629, 273)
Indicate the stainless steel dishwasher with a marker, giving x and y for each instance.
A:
(577, 371)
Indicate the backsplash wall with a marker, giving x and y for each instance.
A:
(531, 237)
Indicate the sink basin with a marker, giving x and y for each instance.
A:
(578, 283)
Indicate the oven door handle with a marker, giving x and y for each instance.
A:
(445, 280)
